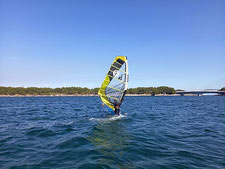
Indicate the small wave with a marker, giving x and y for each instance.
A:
(77, 109)
(41, 132)
(74, 142)
(108, 119)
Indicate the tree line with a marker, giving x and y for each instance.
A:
(82, 90)
(152, 90)
(47, 91)
(79, 91)
(223, 89)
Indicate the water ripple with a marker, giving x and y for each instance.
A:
(77, 132)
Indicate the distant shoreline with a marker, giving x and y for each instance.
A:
(44, 95)
(90, 95)
(77, 91)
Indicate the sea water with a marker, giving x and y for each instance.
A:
(78, 132)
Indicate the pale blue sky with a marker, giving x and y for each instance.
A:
(58, 43)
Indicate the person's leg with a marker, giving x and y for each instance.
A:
(116, 112)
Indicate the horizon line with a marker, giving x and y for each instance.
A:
(99, 87)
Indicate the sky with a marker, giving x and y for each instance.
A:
(63, 43)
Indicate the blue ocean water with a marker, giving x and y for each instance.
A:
(77, 132)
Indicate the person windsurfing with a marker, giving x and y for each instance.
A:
(114, 86)
(117, 108)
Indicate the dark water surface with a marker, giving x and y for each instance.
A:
(77, 132)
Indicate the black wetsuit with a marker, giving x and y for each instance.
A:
(117, 111)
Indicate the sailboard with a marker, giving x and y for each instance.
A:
(114, 86)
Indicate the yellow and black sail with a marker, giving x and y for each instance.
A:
(114, 86)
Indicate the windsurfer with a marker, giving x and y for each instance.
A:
(114, 86)
(117, 108)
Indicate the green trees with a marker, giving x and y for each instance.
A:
(79, 91)
(83, 90)
(47, 91)
(152, 90)
(223, 89)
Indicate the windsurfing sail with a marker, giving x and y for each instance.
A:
(114, 86)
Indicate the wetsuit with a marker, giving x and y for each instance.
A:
(117, 110)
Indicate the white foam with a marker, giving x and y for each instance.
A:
(108, 119)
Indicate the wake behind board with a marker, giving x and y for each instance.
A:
(108, 119)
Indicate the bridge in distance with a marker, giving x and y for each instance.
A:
(201, 92)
